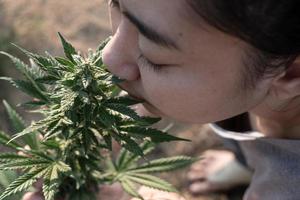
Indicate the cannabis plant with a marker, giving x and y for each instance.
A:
(82, 116)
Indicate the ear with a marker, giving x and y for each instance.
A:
(287, 84)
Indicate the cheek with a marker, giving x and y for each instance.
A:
(198, 99)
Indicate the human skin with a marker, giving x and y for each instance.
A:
(202, 82)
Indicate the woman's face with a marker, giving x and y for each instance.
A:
(183, 68)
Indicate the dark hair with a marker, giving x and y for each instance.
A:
(271, 27)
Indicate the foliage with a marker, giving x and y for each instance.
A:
(69, 147)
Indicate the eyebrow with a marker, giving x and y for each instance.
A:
(150, 33)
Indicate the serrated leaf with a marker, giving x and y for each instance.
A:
(48, 79)
(148, 121)
(32, 104)
(18, 125)
(26, 87)
(36, 126)
(51, 144)
(34, 71)
(43, 62)
(128, 186)
(10, 157)
(51, 180)
(68, 48)
(50, 188)
(124, 100)
(151, 181)
(164, 164)
(155, 135)
(63, 167)
(129, 144)
(23, 183)
(23, 68)
(127, 159)
(24, 164)
(37, 154)
(65, 62)
(123, 110)
(106, 117)
(5, 138)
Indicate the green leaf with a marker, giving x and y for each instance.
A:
(43, 62)
(86, 140)
(106, 117)
(68, 48)
(19, 125)
(10, 157)
(23, 182)
(164, 164)
(63, 167)
(4, 139)
(23, 68)
(65, 62)
(33, 104)
(129, 187)
(155, 135)
(34, 71)
(148, 121)
(50, 188)
(103, 44)
(37, 154)
(24, 164)
(108, 141)
(27, 87)
(51, 144)
(127, 159)
(116, 80)
(151, 181)
(48, 79)
(36, 126)
(51, 179)
(129, 144)
(124, 100)
(123, 110)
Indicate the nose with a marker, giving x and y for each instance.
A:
(120, 54)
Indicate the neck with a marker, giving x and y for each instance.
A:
(282, 121)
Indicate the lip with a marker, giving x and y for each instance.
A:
(136, 97)
(146, 104)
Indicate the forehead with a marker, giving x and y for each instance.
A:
(177, 19)
(159, 6)
(170, 17)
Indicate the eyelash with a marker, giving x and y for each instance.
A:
(146, 62)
